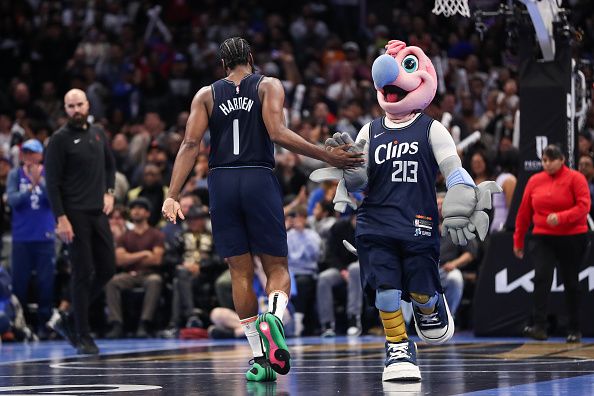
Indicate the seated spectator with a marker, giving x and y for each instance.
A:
(290, 177)
(153, 189)
(304, 251)
(508, 161)
(200, 178)
(117, 221)
(585, 143)
(480, 167)
(157, 155)
(197, 252)
(293, 201)
(12, 319)
(352, 119)
(171, 230)
(139, 253)
(325, 192)
(451, 259)
(343, 268)
(323, 218)
(121, 188)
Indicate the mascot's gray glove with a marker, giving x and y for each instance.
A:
(463, 206)
(348, 179)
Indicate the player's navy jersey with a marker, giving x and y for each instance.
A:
(400, 201)
(238, 136)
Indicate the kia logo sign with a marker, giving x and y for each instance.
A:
(503, 286)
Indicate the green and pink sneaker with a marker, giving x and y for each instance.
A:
(272, 332)
(260, 371)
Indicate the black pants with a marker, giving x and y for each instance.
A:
(566, 253)
(305, 301)
(93, 262)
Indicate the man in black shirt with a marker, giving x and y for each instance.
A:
(80, 176)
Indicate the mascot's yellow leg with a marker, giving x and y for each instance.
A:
(422, 299)
(394, 326)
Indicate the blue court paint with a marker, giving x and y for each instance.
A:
(57, 350)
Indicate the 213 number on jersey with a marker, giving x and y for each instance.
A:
(405, 171)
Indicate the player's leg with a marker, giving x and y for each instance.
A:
(231, 239)
(262, 207)
(270, 326)
(278, 283)
(381, 276)
(246, 306)
(433, 320)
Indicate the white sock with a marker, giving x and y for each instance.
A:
(277, 303)
(249, 328)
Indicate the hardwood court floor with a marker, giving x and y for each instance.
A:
(340, 366)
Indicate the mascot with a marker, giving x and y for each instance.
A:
(397, 224)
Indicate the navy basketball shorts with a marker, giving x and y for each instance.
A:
(388, 263)
(246, 212)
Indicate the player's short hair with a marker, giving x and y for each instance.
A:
(235, 51)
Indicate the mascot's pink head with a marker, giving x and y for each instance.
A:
(405, 80)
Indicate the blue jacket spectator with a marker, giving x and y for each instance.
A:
(33, 225)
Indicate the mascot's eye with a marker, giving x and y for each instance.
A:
(410, 63)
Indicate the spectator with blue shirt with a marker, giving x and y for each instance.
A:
(33, 224)
(304, 246)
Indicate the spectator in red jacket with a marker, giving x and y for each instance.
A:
(557, 201)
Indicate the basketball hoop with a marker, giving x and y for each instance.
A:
(451, 7)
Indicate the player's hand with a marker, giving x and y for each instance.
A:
(171, 210)
(64, 229)
(553, 220)
(342, 159)
(108, 201)
(341, 143)
(519, 253)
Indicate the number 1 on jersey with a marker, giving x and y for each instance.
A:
(236, 136)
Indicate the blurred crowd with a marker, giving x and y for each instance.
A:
(140, 65)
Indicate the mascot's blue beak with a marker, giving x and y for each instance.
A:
(384, 71)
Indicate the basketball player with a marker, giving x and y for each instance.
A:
(244, 113)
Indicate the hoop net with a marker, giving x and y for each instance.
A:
(451, 7)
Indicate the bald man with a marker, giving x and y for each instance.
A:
(80, 173)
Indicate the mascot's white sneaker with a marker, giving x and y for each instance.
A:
(437, 327)
(401, 362)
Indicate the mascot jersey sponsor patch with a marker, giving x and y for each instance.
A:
(400, 200)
